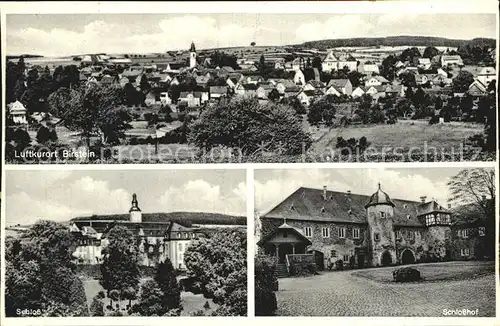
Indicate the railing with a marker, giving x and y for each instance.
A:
(299, 258)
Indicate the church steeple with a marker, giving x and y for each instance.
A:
(192, 56)
(135, 211)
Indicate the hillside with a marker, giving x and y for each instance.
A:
(397, 41)
(184, 218)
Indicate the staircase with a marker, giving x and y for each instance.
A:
(281, 271)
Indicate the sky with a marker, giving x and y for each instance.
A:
(274, 185)
(67, 34)
(60, 195)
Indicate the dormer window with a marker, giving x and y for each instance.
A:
(322, 209)
(349, 211)
(408, 216)
(405, 206)
(382, 214)
(292, 208)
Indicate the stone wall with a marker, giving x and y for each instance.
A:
(417, 245)
(341, 246)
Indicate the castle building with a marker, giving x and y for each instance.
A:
(155, 240)
(192, 56)
(366, 231)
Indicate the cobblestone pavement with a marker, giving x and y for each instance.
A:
(343, 294)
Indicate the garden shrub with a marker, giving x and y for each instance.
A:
(406, 274)
(266, 283)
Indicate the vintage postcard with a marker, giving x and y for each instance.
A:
(250, 87)
(125, 243)
(361, 242)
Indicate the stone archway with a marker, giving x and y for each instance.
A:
(386, 259)
(407, 257)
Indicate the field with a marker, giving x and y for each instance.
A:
(190, 302)
(404, 135)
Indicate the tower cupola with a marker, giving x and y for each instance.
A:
(380, 198)
(135, 211)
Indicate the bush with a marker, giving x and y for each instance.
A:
(339, 265)
(266, 283)
(97, 307)
(434, 119)
(406, 274)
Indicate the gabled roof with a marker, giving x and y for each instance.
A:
(218, 89)
(285, 227)
(487, 71)
(308, 204)
(338, 82)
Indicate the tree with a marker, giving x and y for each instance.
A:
(166, 279)
(129, 294)
(93, 110)
(322, 111)
(252, 44)
(114, 295)
(262, 64)
(294, 103)
(462, 81)
(274, 95)
(97, 307)
(316, 63)
(430, 52)
(244, 124)
(476, 187)
(149, 301)
(218, 265)
(40, 273)
(144, 84)
(44, 135)
(120, 268)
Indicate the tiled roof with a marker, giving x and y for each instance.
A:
(308, 204)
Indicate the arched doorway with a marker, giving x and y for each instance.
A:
(386, 258)
(407, 257)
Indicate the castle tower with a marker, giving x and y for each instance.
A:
(192, 56)
(438, 222)
(135, 211)
(381, 238)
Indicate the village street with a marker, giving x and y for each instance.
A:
(344, 294)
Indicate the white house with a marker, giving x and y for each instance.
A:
(299, 78)
(18, 112)
(165, 98)
(487, 75)
(358, 92)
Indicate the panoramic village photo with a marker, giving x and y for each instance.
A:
(375, 242)
(219, 88)
(125, 243)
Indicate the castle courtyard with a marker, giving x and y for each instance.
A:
(369, 292)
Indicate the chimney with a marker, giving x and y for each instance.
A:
(348, 192)
(422, 199)
(449, 206)
(324, 192)
(484, 197)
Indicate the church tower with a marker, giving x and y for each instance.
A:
(382, 240)
(192, 56)
(135, 211)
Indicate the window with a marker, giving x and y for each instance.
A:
(333, 253)
(411, 235)
(376, 236)
(308, 231)
(464, 252)
(355, 233)
(398, 234)
(150, 249)
(285, 234)
(464, 233)
(180, 246)
(346, 258)
(325, 232)
(382, 214)
(341, 232)
(482, 231)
